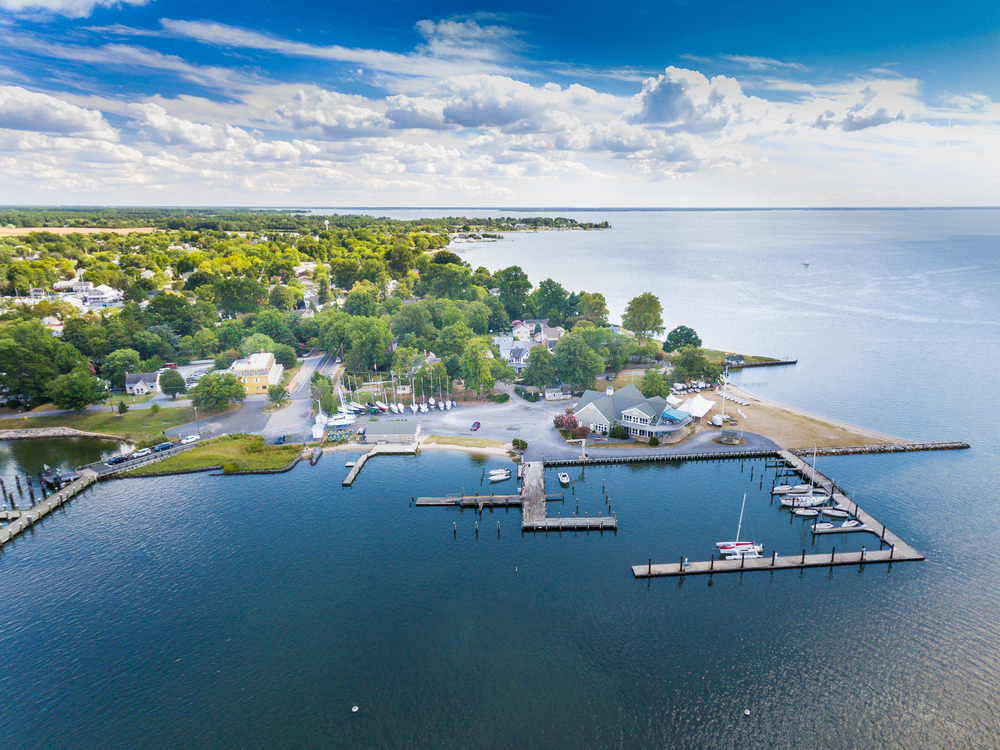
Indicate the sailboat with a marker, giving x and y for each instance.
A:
(733, 550)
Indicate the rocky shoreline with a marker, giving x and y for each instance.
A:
(39, 433)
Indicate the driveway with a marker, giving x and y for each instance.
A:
(248, 418)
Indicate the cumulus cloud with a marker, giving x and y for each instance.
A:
(861, 119)
(686, 100)
(327, 114)
(21, 109)
(68, 8)
(419, 112)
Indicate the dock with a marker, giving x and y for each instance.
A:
(22, 519)
(382, 449)
(898, 550)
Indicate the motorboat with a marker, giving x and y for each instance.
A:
(804, 501)
(563, 478)
(349, 464)
(738, 549)
(806, 512)
(499, 471)
(822, 526)
(835, 513)
(499, 477)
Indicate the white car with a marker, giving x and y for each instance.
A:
(142, 453)
(190, 439)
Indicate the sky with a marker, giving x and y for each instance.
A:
(666, 104)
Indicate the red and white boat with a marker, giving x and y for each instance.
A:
(738, 549)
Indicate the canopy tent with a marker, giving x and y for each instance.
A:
(698, 407)
(673, 400)
(675, 416)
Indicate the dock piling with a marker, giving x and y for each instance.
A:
(833, 554)
(774, 555)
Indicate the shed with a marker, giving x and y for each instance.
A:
(392, 430)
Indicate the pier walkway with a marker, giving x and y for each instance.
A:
(898, 550)
(25, 518)
(382, 449)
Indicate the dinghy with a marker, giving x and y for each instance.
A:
(822, 526)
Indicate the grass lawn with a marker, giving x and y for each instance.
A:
(287, 376)
(233, 452)
(468, 442)
(139, 426)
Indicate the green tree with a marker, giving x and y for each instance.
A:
(323, 283)
(594, 308)
(281, 298)
(681, 336)
(277, 394)
(644, 315)
(477, 371)
(328, 403)
(361, 302)
(692, 364)
(257, 342)
(550, 300)
(236, 295)
(453, 339)
(76, 390)
(655, 383)
(118, 363)
(172, 383)
(541, 369)
(122, 407)
(575, 362)
(514, 288)
(370, 339)
(619, 348)
(217, 391)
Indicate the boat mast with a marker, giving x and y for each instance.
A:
(739, 526)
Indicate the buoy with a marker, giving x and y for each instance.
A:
(354, 710)
(746, 711)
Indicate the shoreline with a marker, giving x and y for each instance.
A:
(41, 433)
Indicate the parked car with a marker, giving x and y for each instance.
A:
(142, 453)
(475, 426)
(163, 447)
(279, 440)
(118, 459)
(190, 439)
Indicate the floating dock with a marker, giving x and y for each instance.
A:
(25, 518)
(898, 550)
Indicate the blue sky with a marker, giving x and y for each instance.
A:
(524, 104)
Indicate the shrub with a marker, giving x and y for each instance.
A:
(565, 422)
(619, 433)
(230, 467)
(154, 409)
(521, 445)
(654, 440)
(499, 398)
(581, 432)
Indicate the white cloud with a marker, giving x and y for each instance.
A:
(21, 109)
(329, 115)
(68, 8)
(685, 100)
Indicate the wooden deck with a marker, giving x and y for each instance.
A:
(382, 449)
(25, 518)
(573, 523)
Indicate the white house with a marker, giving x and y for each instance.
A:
(141, 383)
(102, 295)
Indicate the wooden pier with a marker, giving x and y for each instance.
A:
(662, 458)
(25, 518)
(898, 550)
(382, 449)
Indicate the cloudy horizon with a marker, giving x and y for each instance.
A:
(159, 103)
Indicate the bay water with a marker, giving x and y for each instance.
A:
(202, 611)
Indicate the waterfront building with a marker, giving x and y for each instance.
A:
(642, 417)
(258, 371)
(392, 430)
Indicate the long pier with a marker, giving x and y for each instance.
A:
(380, 449)
(661, 458)
(20, 520)
(898, 550)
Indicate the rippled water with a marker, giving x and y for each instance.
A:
(254, 612)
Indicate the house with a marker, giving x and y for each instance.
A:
(258, 371)
(141, 383)
(392, 430)
(53, 324)
(642, 417)
(546, 334)
(558, 393)
(514, 351)
(147, 274)
(495, 292)
(37, 293)
(73, 285)
(101, 295)
(735, 360)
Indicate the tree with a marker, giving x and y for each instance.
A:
(619, 347)
(575, 362)
(370, 339)
(514, 287)
(122, 407)
(360, 302)
(476, 367)
(692, 364)
(217, 391)
(256, 342)
(172, 383)
(541, 370)
(550, 300)
(236, 295)
(594, 308)
(277, 394)
(644, 315)
(681, 336)
(118, 363)
(76, 390)
(655, 383)
(284, 355)
(281, 298)
(328, 403)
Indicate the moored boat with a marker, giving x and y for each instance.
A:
(563, 478)
(806, 512)
(804, 501)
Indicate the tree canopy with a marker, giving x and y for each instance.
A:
(644, 315)
(681, 336)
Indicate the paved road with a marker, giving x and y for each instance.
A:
(248, 418)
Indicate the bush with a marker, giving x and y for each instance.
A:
(581, 432)
(499, 398)
(619, 433)
(230, 468)
(527, 395)
(654, 440)
(154, 409)
(521, 445)
(565, 422)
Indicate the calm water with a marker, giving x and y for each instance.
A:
(254, 612)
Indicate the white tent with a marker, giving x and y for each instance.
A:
(697, 407)
(673, 400)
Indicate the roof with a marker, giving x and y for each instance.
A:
(149, 378)
(674, 415)
(385, 426)
(697, 406)
(612, 407)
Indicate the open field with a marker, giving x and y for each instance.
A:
(16, 231)
(240, 452)
(141, 427)
(464, 442)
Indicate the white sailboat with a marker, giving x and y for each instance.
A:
(804, 501)
(732, 550)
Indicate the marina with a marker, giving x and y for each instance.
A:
(21, 519)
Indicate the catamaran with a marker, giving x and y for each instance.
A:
(732, 550)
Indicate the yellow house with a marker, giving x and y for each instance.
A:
(257, 372)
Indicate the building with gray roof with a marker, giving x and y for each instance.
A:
(392, 430)
(642, 417)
